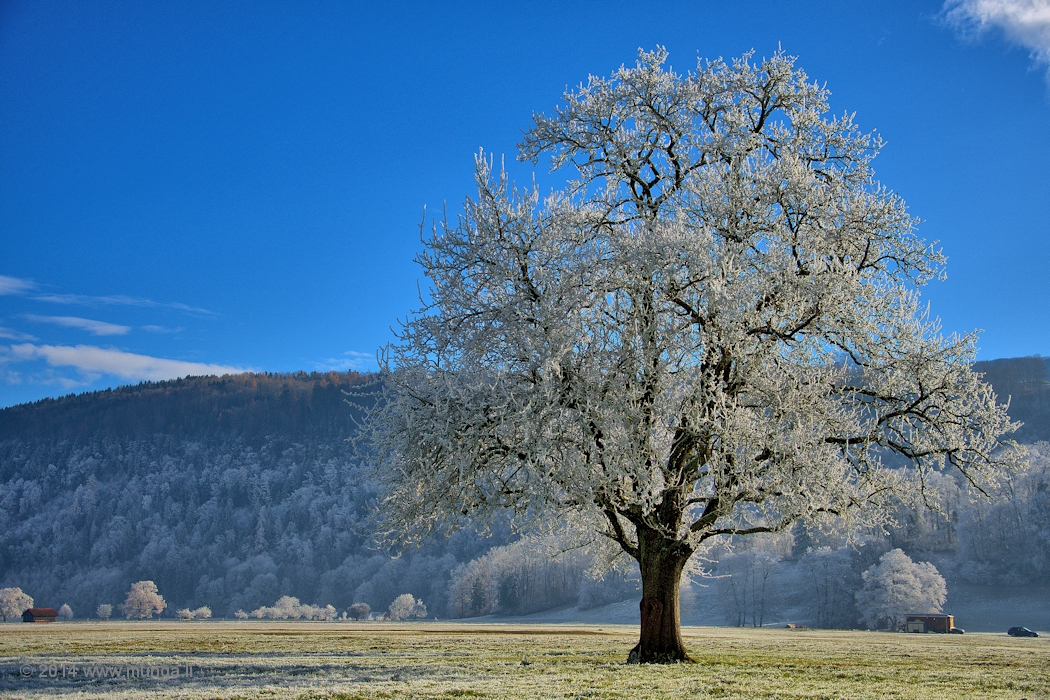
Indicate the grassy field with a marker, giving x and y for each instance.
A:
(432, 660)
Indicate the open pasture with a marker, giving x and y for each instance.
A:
(438, 660)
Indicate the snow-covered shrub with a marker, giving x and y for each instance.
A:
(405, 607)
(289, 608)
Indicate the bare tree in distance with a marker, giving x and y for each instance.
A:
(104, 611)
(143, 601)
(13, 602)
(712, 331)
(748, 583)
(830, 597)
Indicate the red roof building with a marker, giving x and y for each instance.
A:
(40, 615)
(929, 622)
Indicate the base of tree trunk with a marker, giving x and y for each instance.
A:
(661, 638)
(668, 657)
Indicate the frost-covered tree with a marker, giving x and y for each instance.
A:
(405, 607)
(104, 611)
(241, 615)
(13, 602)
(1008, 541)
(286, 608)
(896, 586)
(316, 612)
(201, 613)
(518, 579)
(360, 611)
(65, 612)
(289, 608)
(712, 331)
(143, 600)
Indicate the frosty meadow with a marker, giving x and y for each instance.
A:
(350, 661)
(713, 330)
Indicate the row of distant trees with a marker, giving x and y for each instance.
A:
(404, 607)
(144, 600)
(13, 602)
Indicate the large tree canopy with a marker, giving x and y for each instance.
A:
(713, 330)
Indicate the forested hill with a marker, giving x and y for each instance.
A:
(227, 492)
(250, 406)
(1025, 381)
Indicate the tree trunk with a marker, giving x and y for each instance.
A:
(661, 562)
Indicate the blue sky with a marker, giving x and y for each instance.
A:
(190, 186)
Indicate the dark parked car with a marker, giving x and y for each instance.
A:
(1021, 632)
(956, 630)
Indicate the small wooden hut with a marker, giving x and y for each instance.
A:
(40, 615)
(929, 622)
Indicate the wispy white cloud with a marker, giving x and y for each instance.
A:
(15, 285)
(11, 334)
(84, 324)
(18, 285)
(161, 329)
(126, 365)
(1024, 22)
(120, 300)
(350, 360)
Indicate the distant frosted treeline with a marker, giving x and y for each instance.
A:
(226, 492)
(217, 523)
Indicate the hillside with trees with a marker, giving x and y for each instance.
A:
(232, 492)
(227, 492)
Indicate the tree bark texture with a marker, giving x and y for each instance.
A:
(661, 562)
